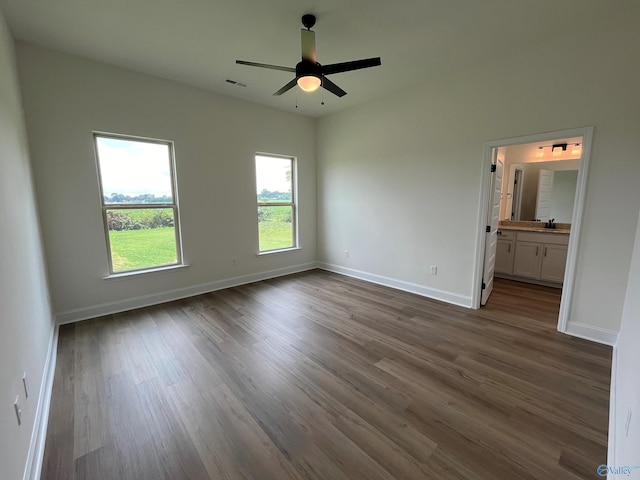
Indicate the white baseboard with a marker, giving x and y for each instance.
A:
(589, 332)
(436, 294)
(94, 311)
(35, 456)
(611, 450)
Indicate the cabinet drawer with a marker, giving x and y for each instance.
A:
(548, 238)
(506, 234)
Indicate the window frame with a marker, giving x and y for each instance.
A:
(131, 206)
(293, 203)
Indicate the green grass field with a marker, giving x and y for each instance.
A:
(135, 249)
(275, 235)
(275, 227)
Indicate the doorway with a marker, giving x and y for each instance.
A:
(488, 192)
(516, 196)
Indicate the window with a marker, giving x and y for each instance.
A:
(275, 180)
(139, 204)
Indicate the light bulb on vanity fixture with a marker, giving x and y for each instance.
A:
(576, 149)
(558, 148)
(540, 152)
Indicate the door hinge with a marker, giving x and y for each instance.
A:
(488, 228)
(493, 168)
(484, 285)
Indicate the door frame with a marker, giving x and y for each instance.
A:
(576, 222)
(516, 195)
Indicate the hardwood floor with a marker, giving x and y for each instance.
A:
(320, 376)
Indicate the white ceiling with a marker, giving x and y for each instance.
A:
(196, 42)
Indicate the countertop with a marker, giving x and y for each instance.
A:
(557, 231)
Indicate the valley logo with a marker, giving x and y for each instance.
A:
(604, 470)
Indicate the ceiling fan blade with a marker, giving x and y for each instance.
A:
(308, 42)
(266, 65)
(332, 87)
(347, 66)
(287, 87)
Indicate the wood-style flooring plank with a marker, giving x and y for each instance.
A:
(321, 376)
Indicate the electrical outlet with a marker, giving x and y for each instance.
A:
(234, 261)
(16, 406)
(346, 254)
(25, 384)
(434, 270)
(627, 424)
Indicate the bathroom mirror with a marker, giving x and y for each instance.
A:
(563, 195)
(521, 194)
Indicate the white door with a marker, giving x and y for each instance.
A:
(491, 242)
(543, 200)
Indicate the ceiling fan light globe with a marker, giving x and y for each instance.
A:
(309, 83)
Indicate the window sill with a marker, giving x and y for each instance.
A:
(282, 250)
(150, 271)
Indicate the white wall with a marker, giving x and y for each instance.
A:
(625, 383)
(66, 97)
(25, 319)
(399, 177)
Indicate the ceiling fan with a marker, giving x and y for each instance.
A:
(310, 75)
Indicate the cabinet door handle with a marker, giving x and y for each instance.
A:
(545, 251)
(537, 251)
(509, 248)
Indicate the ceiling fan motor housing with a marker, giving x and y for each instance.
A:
(306, 68)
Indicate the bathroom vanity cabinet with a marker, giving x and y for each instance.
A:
(536, 256)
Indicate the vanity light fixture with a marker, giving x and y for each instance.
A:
(558, 148)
